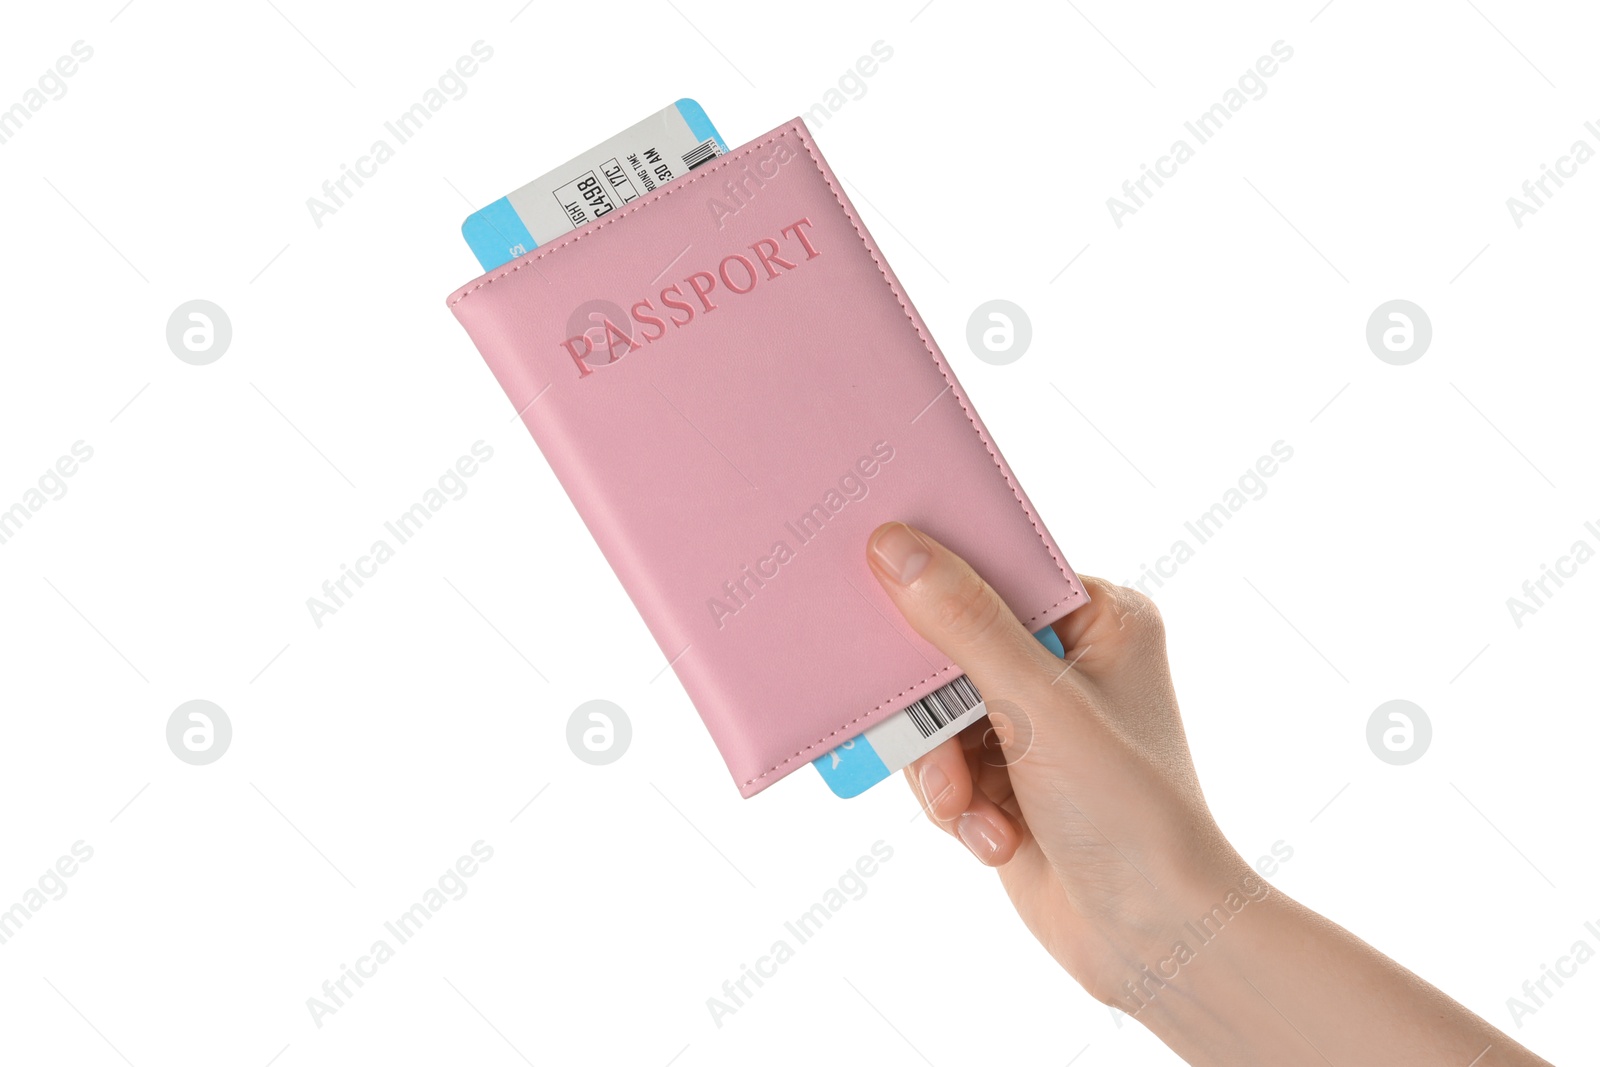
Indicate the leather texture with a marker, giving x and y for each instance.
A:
(723, 458)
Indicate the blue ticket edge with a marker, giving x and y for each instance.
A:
(496, 234)
(854, 767)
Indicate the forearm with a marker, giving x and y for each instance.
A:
(1276, 983)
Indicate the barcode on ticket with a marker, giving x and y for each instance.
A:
(944, 706)
(898, 741)
(703, 152)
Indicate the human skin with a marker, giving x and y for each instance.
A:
(1081, 791)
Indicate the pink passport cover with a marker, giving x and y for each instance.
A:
(753, 360)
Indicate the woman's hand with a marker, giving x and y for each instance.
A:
(1080, 789)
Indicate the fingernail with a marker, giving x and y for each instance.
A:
(979, 835)
(935, 785)
(900, 552)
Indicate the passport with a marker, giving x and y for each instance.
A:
(701, 368)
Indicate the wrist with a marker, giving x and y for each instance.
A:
(1190, 916)
(1200, 990)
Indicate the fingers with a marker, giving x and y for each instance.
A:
(942, 781)
(955, 610)
(988, 832)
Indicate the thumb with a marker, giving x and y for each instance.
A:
(956, 611)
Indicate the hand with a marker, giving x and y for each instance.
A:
(1079, 788)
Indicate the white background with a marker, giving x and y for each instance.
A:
(1227, 314)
